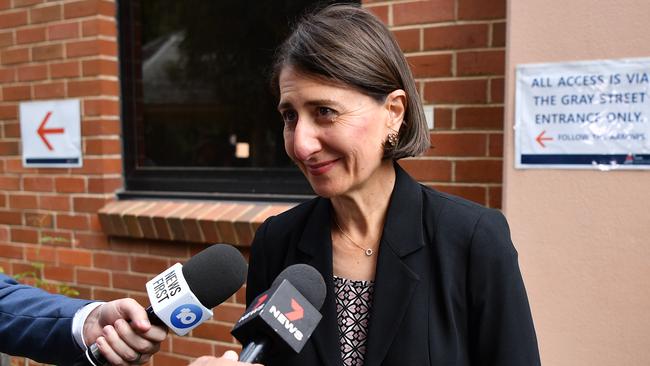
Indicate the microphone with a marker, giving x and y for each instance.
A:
(283, 318)
(181, 297)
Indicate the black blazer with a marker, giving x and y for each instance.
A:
(448, 290)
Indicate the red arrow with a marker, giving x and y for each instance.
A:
(261, 300)
(42, 131)
(540, 138)
(297, 312)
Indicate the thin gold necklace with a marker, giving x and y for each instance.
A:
(367, 251)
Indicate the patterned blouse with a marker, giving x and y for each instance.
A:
(353, 302)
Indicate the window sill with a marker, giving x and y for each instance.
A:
(202, 222)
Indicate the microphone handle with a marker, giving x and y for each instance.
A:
(93, 357)
(253, 352)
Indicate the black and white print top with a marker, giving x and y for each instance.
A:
(353, 302)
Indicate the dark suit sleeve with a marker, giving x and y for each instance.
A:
(37, 324)
(257, 279)
(501, 326)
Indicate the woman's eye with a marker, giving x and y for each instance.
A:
(289, 116)
(326, 112)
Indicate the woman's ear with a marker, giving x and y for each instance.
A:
(396, 107)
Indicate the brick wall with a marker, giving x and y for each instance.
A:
(68, 49)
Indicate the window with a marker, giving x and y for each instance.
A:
(197, 109)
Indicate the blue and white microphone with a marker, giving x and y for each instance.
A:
(182, 296)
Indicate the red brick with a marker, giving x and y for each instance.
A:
(99, 27)
(479, 171)
(92, 87)
(102, 147)
(455, 36)
(31, 73)
(97, 107)
(49, 90)
(3, 203)
(380, 12)
(75, 257)
(151, 265)
(93, 277)
(481, 9)
(31, 35)
(9, 148)
(56, 238)
(212, 331)
(104, 185)
(496, 145)
(93, 47)
(88, 204)
(59, 273)
(100, 67)
(47, 52)
(442, 118)
(38, 184)
(6, 38)
(129, 281)
(10, 218)
(9, 183)
(92, 241)
(408, 39)
(101, 166)
(40, 253)
(11, 251)
(7, 75)
(65, 69)
(55, 203)
(112, 261)
(423, 12)
(88, 8)
(497, 92)
(16, 165)
(45, 14)
(63, 31)
(167, 359)
(42, 220)
(426, 170)
(430, 65)
(21, 3)
(10, 93)
(19, 235)
(480, 63)
(458, 144)
(472, 193)
(495, 198)
(499, 34)
(13, 19)
(15, 56)
(70, 185)
(72, 222)
(481, 118)
(23, 201)
(108, 295)
(228, 312)
(100, 127)
(456, 91)
(190, 347)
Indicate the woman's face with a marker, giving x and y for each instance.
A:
(333, 133)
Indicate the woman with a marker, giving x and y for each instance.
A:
(414, 276)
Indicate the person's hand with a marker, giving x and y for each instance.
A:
(123, 333)
(228, 359)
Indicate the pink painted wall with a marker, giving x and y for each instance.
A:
(583, 236)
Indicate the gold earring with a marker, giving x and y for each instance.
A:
(392, 139)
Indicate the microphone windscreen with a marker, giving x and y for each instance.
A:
(215, 273)
(307, 280)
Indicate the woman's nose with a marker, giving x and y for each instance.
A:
(306, 141)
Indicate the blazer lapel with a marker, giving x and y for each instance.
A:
(316, 245)
(395, 282)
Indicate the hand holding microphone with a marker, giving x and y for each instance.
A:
(181, 298)
(283, 318)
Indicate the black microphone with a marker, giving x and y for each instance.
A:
(181, 297)
(283, 318)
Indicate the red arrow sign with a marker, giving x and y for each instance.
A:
(540, 138)
(42, 131)
(297, 312)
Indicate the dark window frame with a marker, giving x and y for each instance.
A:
(257, 184)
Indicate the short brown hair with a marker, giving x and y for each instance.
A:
(349, 45)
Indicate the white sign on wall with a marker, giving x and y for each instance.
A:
(584, 115)
(51, 133)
